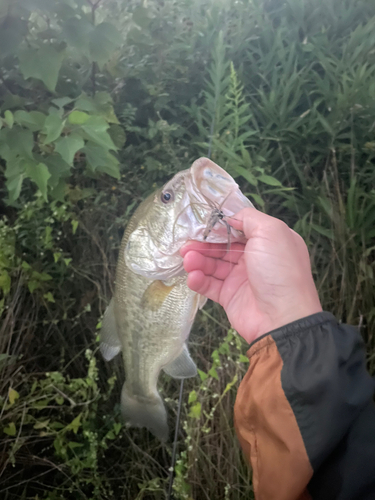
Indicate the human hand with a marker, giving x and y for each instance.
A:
(262, 285)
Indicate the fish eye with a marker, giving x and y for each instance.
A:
(167, 196)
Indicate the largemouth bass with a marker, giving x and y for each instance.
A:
(152, 311)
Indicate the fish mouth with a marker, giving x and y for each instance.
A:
(213, 185)
(210, 189)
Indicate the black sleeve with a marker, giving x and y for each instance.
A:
(323, 381)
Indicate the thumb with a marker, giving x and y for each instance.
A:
(250, 220)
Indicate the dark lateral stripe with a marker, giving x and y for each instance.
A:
(268, 430)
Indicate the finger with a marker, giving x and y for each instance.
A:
(215, 250)
(217, 268)
(205, 285)
(249, 221)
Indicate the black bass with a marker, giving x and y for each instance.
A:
(152, 311)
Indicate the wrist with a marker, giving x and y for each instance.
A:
(296, 310)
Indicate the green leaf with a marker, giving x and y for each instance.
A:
(12, 31)
(192, 397)
(243, 359)
(203, 376)
(19, 142)
(13, 396)
(49, 297)
(77, 33)
(111, 168)
(10, 429)
(99, 158)
(68, 146)
(14, 183)
(195, 410)
(74, 226)
(61, 102)
(213, 373)
(141, 17)
(33, 285)
(258, 199)
(34, 120)
(5, 282)
(9, 118)
(104, 40)
(58, 169)
(95, 129)
(117, 427)
(246, 174)
(78, 117)
(75, 424)
(53, 127)
(327, 127)
(43, 64)
(269, 180)
(323, 231)
(42, 424)
(73, 444)
(118, 135)
(39, 174)
(230, 384)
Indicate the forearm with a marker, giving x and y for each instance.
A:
(303, 410)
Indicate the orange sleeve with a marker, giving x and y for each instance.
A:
(268, 431)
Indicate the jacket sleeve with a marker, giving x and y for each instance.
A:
(305, 415)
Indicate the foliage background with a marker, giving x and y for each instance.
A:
(100, 102)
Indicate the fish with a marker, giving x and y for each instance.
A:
(151, 313)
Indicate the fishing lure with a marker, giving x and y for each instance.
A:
(216, 216)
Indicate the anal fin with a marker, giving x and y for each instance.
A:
(182, 366)
(110, 344)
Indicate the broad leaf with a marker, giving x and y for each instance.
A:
(10, 429)
(77, 33)
(53, 127)
(98, 158)
(78, 117)
(12, 31)
(14, 174)
(39, 173)
(103, 41)
(43, 64)
(68, 146)
(13, 395)
(141, 16)
(16, 142)
(95, 129)
(9, 118)
(34, 120)
(58, 169)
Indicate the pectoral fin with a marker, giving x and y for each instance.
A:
(181, 367)
(110, 344)
(202, 301)
(155, 295)
(199, 302)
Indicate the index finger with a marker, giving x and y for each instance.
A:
(215, 250)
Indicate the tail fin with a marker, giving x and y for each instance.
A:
(145, 412)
